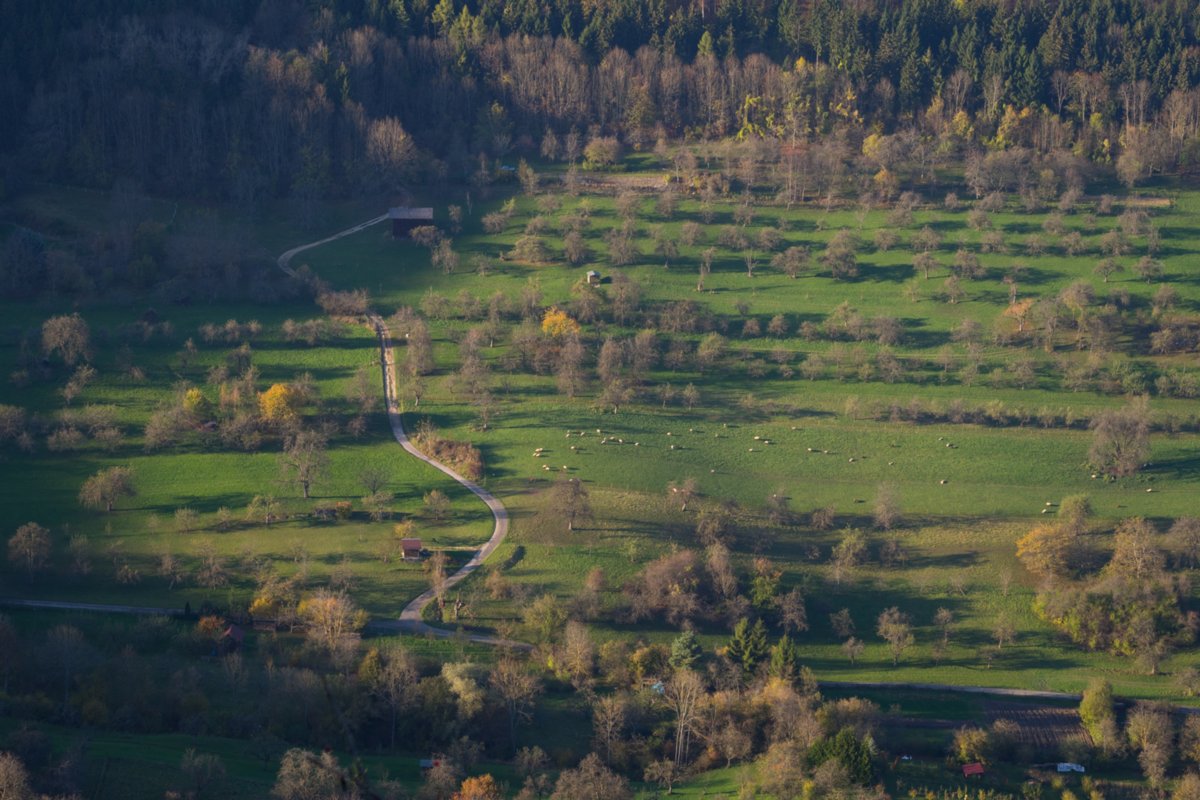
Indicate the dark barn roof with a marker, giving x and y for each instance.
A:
(401, 212)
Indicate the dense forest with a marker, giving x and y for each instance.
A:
(309, 100)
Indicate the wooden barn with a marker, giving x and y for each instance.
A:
(405, 219)
(410, 549)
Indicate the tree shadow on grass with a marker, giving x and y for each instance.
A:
(1183, 468)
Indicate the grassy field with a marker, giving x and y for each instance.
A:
(964, 505)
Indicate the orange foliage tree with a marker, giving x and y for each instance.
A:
(557, 322)
(481, 787)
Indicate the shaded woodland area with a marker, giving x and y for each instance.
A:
(233, 103)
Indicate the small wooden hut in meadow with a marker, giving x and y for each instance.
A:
(405, 219)
(410, 549)
(593, 277)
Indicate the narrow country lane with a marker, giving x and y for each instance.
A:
(410, 620)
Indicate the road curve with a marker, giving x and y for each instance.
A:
(410, 620)
(284, 261)
(411, 617)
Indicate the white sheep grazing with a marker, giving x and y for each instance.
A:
(942, 482)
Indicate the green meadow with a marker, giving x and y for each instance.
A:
(966, 490)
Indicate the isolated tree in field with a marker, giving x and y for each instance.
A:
(68, 337)
(1148, 269)
(279, 404)
(706, 262)
(894, 627)
(793, 614)
(575, 248)
(886, 511)
(593, 780)
(839, 256)
(1003, 631)
(304, 775)
(925, 263)
(568, 500)
(517, 690)
(106, 487)
(435, 568)
(842, 623)
(304, 460)
(437, 504)
(29, 548)
(665, 246)
(848, 553)
(1107, 268)
(544, 616)
(853, 648)
(1121, 439)
(683, 492)
(418, 351)
(557, 323)
(569, 369)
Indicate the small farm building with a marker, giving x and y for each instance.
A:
(405, 219)
(973, 770)
(411, 548)
(593, 277)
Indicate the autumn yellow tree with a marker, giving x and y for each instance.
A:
(480, 787)
(196, 405)
(279, 403)
(557, 322)
(1045, 551)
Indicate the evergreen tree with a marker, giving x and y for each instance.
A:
(748, 647)
(784, 659)
(685, 651)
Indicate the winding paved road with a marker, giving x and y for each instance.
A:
(410, 620)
